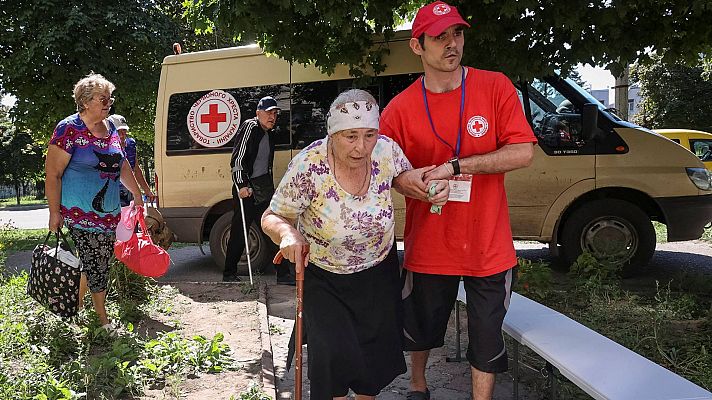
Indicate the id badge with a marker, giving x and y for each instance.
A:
(460, 188)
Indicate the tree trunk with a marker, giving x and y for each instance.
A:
(40, 189)
(17, 190)
(621, 94)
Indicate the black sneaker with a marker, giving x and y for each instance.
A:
(287, 279)
(231, 278)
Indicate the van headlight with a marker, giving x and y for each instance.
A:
(701, 177)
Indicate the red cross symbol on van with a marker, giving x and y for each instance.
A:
(213, 118)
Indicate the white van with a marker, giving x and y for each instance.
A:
(595, 184)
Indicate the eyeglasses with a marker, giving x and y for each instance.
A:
(106, 101)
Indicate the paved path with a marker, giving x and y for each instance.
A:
(25, 217)
(447, 380)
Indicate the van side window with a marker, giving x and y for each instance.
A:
(702, 148)
(556, 121)
(311, 101)
(178, 138)
(310, 104)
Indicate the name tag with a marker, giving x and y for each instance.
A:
(460, 188)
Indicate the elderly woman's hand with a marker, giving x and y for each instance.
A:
(442, 191)
(55, 221)
(295, 248)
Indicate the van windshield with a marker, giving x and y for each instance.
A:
(589, 97)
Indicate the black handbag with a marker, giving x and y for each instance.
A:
(262, 188)
(54, 277)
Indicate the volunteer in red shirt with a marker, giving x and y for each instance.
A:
(470, 123)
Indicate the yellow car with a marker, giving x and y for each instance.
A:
(698, 142)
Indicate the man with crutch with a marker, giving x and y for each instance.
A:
(252, 189)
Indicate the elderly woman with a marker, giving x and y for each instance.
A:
(83, 167)
(338, 190)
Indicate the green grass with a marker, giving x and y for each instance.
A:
(13, 240)
(669, 322)
(45, 357)
(24, 201)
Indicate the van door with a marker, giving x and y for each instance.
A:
(563, 165)
(205, 98)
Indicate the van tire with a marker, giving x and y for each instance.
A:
(600, 223)
(261, 248)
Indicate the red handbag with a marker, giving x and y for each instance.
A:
(140, 254)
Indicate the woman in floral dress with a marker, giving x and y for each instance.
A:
(337, 191)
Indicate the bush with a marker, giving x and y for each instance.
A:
(533, 278)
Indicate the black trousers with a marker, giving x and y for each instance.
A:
(236, 244)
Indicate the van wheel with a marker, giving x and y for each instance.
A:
(612, 230)
(261, 250)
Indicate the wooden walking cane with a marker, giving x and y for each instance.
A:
(301, 262)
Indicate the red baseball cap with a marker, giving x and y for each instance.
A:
(434, 18)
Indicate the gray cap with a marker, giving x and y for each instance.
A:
(119, 121)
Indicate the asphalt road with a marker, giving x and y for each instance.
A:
(25, 217)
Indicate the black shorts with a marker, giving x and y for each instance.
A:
(429, 299)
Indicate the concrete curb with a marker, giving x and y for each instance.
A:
(268, 375)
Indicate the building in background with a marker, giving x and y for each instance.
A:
(607, 96)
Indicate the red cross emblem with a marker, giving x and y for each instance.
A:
(213, 118)
(441, 9)
(477, 126)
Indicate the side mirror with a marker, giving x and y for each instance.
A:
(589, 121)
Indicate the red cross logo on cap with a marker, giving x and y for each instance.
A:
(213, 118)
(477, 126)
(441, 9)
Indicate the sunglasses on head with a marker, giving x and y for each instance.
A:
(106, 101)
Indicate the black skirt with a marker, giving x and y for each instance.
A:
(353, 323)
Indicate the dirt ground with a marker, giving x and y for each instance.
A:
(257, 326)
(206, 309)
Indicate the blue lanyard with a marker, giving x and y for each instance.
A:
(456, 150)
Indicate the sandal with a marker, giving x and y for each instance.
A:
(417, 395)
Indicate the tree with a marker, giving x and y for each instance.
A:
(523, 38)
(21, 159)
(674, 96)
(46, 46)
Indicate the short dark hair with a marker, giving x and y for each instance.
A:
(421, 40)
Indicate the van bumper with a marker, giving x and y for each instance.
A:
(686, 216)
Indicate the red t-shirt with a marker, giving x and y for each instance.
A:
(472, 238)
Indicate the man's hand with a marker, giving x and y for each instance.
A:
(443, 171)
(245, 192)
(442, 191)
(411, 183)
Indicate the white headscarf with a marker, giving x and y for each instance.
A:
(352, 115)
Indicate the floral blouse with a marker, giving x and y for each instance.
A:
(346, 233)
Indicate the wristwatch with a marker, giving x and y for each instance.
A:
(455, 162)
